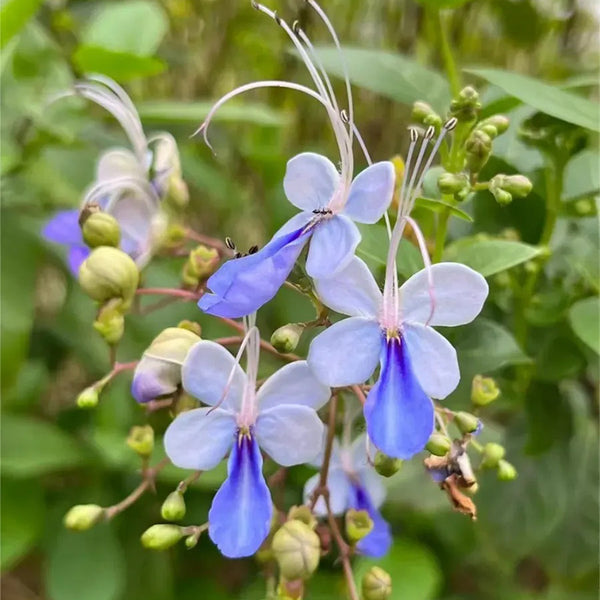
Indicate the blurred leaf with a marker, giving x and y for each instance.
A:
(22, 519)
(437, 206)
(88, 564)
(438, 4)
(582, 175)
(31, 447)
(559, 358)
(392, 75)
(28, 387)
(121, 66)
(128, 27)
(14, 15)
(544, 97)
(584, 317)
(490, 256)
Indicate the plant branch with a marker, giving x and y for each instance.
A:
(175, 292)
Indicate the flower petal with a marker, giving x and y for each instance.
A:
(346, 353)
(77, 254)
(240, 516)
(332, 246)
(459, 294)
(378, 542)
(199, 439)
(433, 360)
(339, 490)
(206, 371)
(290, 434)
(63, 228)
(154, 378)
(118, 162)
(399, 414)
(293, 384)
(371, 193)
(351, 291)
(310, 181)
(373, 484)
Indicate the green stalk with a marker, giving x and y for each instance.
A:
(449, 63)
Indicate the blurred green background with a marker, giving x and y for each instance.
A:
(536, 537)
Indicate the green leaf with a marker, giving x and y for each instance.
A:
(121, 66)
(439, 4)
(88, 564)
(22, 519)
(166, 111)
(584, 317)
(490, 256)
(437, 205)
(392, 75)
(582, 175)
(14, 15)
(544, 97)
(31, 447)
(129, 27)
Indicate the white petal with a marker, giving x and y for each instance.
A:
(352, 291)
(293, 384)
(347, 352)
(289, 434)
(199, 439)
(358, 451)
(371, 193)
(433, 360)
(205, 373)
(118, 162)
(310, 181)
(339, 490)
(459, 294)
(373, 484)
(298, 221)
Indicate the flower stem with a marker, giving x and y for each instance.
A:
(449, 62)
(176, 293)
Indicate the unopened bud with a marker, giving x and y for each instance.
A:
(492, 455)
(483, 390)
(201, 264)
(110, 322)
(386, 465)
(173, 508)
(89, 397)
(584, 207)
(141, 439)
(191, 541)
(478, 149)
(438, 444)
(286, 338)
(83, 516)
(466, 422)
(498, 123)
(190, 326)
(161, 536)
(517, 185)
(304, 514)
(109, 273)
(297, 550)
(503, 197)
(466, 106)
(506, 472)
(423, 113)
(451, 183)
(101, 229)
(376, 584)
(358, 525)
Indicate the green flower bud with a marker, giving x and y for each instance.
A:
(201, 264)
(531, 266)
(438, 444)
(297, 550)
(161, 536)
(422, 112)
(484, 390)
(492, 454)
(466, 106)
(499, 123)
(358, 525)
(191, 541)
(109, 273)
(376, 584)
(304, 514)
(502, 197)
(451, 183)
(89, 397)
(506, 472)
(286, 338)
(466, 422)
(101, 229)
(517, 185)
(141, 439)
(110, 322)
(83, 516)
(173, 508)
(489, 130)
(584, 207)
(478, 148)
(386, 465)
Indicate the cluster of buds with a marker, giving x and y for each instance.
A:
(504, 187)
(200, 265)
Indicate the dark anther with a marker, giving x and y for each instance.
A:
(414, 134)
(296, 27)
(237, 255)
(229, 243)
(253, 250)
(344, 115)
(322, 211)
(450, 124)
(277, 18)
(430, 132)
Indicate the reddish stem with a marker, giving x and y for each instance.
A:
(177, 293)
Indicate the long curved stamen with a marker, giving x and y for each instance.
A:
(103, 188)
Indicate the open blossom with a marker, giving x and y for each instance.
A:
(280, 419)
(353, 483)
(330, 202)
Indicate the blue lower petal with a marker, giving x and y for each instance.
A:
(240, 515)
(242, 285)
(378, 542)
(399, 414)
(63, 228)
(77, 254)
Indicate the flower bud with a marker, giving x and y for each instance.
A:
(466, 106)
(109, 273)
(83, 516)
(438, 444)
(503, 197)
(483, 390)
(358, 525)
(376, 584)
(141, 439)
(161, 536)
(517, 185)
(498, 123)
(584, 207)
(190, 326)
(201, 264)
(286, 338)
(423, 113)
(451, 183)
(492, 454)
(110, 322)
(466, 422)
(296, 549)
(101, 229)
(166, 172)
(506, 472)
(191, 541)
(386, 465)
(304, 514)
(89, 397)
(478, 149)
(173, 508)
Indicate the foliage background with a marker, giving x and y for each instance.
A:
(536, 537)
